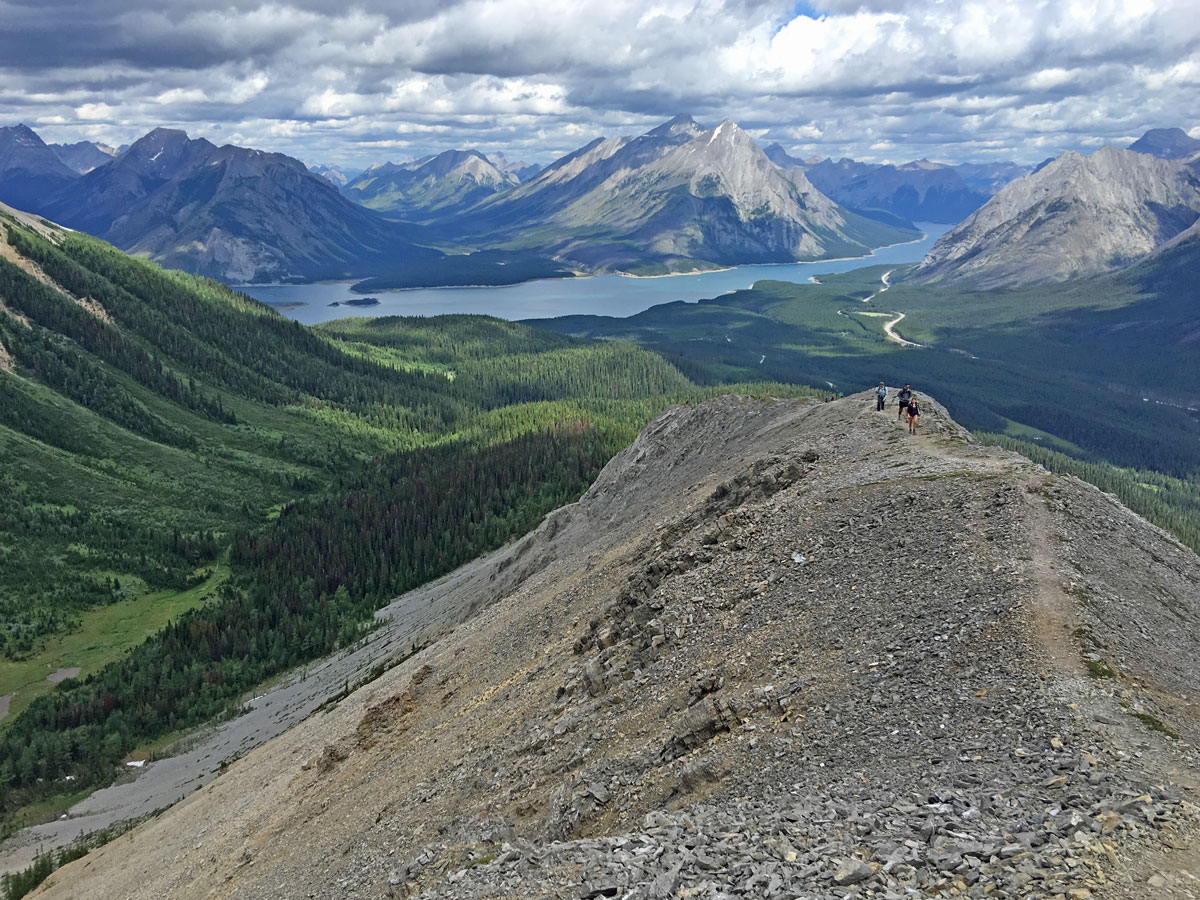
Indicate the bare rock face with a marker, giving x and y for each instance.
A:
(1077, 216)
(681, 195)
(779, 649)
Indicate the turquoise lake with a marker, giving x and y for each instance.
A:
(600, 295)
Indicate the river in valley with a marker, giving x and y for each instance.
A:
(600, 295)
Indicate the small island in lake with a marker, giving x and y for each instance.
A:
(363, 301)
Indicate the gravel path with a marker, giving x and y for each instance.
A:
(889, 329)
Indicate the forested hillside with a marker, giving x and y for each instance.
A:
(188, 468)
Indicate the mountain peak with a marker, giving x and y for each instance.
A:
(1075, 217)
(681, 124)
(21, 135)
(29, 168)
(730, 134)
(783, 159)
(1166, 143)
(164, 152)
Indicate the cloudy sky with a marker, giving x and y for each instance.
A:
(350, 83)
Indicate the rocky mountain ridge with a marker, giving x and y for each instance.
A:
(618, 204)
(919, 191)
(1075, 217)
(229, 212)
(778, 649)
(1167, 143)
(29, 168)
(83, 156)
(333, 174)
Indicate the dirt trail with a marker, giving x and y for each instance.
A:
(1052, 612)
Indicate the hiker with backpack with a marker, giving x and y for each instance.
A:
(902, 401)
(880, 396)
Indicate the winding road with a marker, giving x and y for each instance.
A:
(886, 284)
(888, 327)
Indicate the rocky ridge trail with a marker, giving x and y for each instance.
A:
(780, 649)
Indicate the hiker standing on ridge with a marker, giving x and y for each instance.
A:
(902, 401)
(880, 396)
(914, 413)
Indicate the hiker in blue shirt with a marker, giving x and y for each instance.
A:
(880, 396)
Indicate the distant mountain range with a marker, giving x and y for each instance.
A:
(339, 177)
(1077, 216)
(84, 156)
(680, 197)
(228, 212)
(919, 191)
(446, 183)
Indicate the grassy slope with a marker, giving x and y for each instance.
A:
(104, 635)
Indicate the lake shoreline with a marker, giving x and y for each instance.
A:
(582, 294)
(244, 288)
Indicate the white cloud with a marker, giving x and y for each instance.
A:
(93, 111)
(919, 78)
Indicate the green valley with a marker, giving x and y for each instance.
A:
(199, 494)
